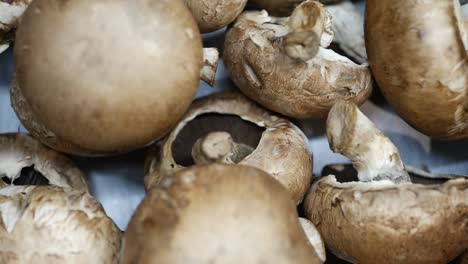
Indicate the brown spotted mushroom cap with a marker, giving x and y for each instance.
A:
(418, 55)
(25, 161)
(217, 214)
(105, 77)
(51, 225)
(261, 140)
(212, 15)
(284, 63)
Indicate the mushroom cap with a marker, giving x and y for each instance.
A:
(18, 151)
(278, 7)
(418, 54)
(217, 214)
(212, 15)
(110, 83)
(282, 150)
(47, 225)
(381, 222)
(260, 67)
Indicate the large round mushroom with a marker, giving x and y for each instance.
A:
(381, 216)
(219, 214)
(284, 64)
(418, 54)
(104, 77)
(229, 128)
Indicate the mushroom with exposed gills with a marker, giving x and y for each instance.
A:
(46, 213)
(380, 216)
(229, 128)
(220, 213)
(284, 63)
(418, 54)
(212, 15)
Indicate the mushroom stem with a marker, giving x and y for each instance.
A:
(348, 29)
(314, 238)
(374, 156)
(219, 147)
(309, 28)
(210, 65)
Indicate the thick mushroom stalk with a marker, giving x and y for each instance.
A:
(374, 156)
(219, 147)
(309, 28)
(418, 54)
(210, 65)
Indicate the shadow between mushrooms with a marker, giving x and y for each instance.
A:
(220, 213)
(229, 128)
(384, 217)
(284, 63)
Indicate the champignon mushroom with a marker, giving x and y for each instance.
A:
(218, 214)
(10, 14)
(418, 54)
(45, 225)
(212, 15)
(24, 161)
(284, 65)
(229, 128)
(107, 84)
(387, 220)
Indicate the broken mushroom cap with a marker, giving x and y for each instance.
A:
(394, 220)
(284, 64)
(118, 79)
(284, 8)
(10, 14)
(24, 161)
(44, 225)
(242, 133)
(420, 61)
(218, 214)
(212, 15)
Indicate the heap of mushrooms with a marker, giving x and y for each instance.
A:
(418, 55)
(110, 83)
(212, 15)
(229, 128)
(46, 213)
(284, 63)
(383, 217)
(220, 214)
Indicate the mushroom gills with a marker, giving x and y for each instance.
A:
(245, 134)
(347, 173)
(28, 176)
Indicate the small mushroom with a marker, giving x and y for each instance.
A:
(212, 15)
(229, 128)
(379, 216)
(44, 225)
(219, 214)
(24, 161)
(418, 54)
(10, 14)
(104, 77)
(284, 63)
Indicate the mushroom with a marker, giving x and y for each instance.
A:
(10, 14)
(229, 128)
(44, 225)
(283, 63)
(212, 15)
(418, 55)
(110, 83)
(24, 161)
(378, 216)
(218, 214)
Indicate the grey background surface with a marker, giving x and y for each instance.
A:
(117, 182)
